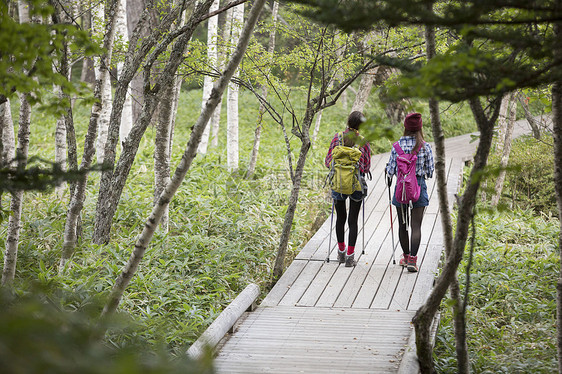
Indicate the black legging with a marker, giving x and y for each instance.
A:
(415, 224)
(354, 207)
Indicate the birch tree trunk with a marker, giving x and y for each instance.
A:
(162, 148)
(135, 11)
(222, 57)
(14, 222)
(106, 103)
(505, 148)
(232, 153)
(61, 16)
(122, 31)
(79, 192)
(113, 180)
(20, 162)
(190, 152)
(212, 60)
(7, 138)
(261, 112)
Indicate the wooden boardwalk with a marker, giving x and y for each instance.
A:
(322, 317)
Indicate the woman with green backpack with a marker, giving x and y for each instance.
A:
(410, 148)
(349, 159)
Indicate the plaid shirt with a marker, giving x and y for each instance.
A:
(424, 164)
(364, 160)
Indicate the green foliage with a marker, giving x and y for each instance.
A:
(37, 335)
(529, 182)
(511, 322)
(29, 51)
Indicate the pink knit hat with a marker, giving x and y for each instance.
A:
(413, 122)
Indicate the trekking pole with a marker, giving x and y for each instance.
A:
(330, 239)
(391, 221)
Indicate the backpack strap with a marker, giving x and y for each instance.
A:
(399, 150)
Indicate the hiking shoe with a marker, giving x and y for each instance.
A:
(412, 267)
(404, 260)
(350, 260)
(341, 256)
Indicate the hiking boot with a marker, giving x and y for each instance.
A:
(341, 256)
(350, 260)
(412, 267)
(404, 260)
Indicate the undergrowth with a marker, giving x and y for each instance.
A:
(511, 316)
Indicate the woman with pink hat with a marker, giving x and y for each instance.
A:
(412, 141)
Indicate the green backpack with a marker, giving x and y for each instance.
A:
(344, 174)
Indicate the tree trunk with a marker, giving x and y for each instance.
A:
(135, 10)
(529, 116)
(506, 148)
(113, 181)
(461, 346)
(66, 119)
(122, 31)
(79, 191)
(261, 112)
(222, 56)
(106, 103)
(367, 78)
(232, 152)
(212, 60)
(185, 163)
(290, 214)
(7, 138)
(162, 148)
(14, 222)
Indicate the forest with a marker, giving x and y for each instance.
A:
(157, 157)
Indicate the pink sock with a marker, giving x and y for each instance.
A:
(341, 246)
(350, 250)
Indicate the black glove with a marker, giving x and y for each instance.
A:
(389, 180)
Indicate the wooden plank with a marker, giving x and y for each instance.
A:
(284, 283)
(301, 284)
(318, 284)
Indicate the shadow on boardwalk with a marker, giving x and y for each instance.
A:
(322, 317)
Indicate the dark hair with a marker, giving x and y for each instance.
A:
(355, 120)
(419, 138)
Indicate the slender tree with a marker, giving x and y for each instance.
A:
(505, 136)
(232, 146)
(212, 58)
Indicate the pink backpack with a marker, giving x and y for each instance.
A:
(407, 188)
